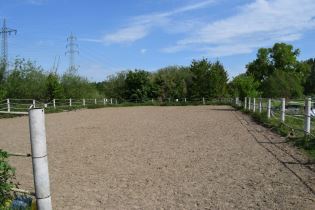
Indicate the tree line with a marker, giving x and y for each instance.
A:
(276, 72)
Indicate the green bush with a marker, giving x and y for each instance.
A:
(7, 174)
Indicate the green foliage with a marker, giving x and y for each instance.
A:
(283, 84)
(6, 179)
(26, 80)
(310, 81)
(244, 85)
(114, 86)
(218, 80)
(137, 85)
(75, 86)
(200, 85)
(171, 82)
(54, 88)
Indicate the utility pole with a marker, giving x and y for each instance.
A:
(72, 49)
(5, 32)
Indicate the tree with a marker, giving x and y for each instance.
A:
(309, 87)
(244, 86)
(261, 67)
(53, 87)
(26, 80)
(2, 81)
(218, 80)
(283, 84)
(137, 84)
(200, 82)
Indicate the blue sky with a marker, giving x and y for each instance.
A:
(150, 34)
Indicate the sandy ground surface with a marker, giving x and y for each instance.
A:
(202, 157)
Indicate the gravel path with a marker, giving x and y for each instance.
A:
(194, 157)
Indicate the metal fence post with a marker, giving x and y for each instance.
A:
(245, 103)
(8, 105)
(269, 108)
(40, 158)
(283, 110)
(260, 105)
(307, 116)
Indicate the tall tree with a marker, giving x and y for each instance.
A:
(218, 80)
(200, 82)
(137, 84)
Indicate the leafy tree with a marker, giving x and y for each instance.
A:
(75, 86)
(261, 67)
(244, 85)
(283, 84)
(309, 88)
(137, 84)
(2, 81)
(200, 82)
(54, 88)
(26, 80)
(284, 57)
(218, 80)
(114, 86)
(171, 82)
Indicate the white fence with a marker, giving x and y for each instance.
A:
(21, 106)
(296, 114)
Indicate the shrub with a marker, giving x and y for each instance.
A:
(7, 174)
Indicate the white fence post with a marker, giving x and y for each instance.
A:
(283, 110)
(40, 158)
(70, 102)
(34, 103)
(111, 101)
(269, 108)
(249, 103)
(185, 99)
(104, 101)
(203, 101)
(245, 103)
(116, 102)
(95, 101)
(152, 100)
(54, 103)
(8, 105)
(83, 102)
(254, 104)
(260, 105)
(307, 116)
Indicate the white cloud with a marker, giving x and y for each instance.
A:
(141, 26)
(143, 51)
(256, 24)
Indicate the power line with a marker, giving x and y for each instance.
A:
(72, 49)
(5, 32)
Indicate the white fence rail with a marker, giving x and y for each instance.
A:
(297, 114)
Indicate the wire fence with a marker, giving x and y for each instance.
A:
(295, 114)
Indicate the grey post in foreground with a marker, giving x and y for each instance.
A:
(307, 116)
(39, 158)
